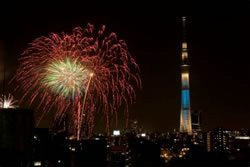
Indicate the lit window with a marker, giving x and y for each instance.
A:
(37, 163)
(116, 132)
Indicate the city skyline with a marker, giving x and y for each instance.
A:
(218, 49)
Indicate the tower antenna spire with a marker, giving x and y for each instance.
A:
(184, 28)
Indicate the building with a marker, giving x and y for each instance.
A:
(218, 140)
(91, 152)
(118, 151)
(241, 142)
(16, 129)
(208, 141)
(41, 150)
(185, 115)
(145, 153)
(196, 121)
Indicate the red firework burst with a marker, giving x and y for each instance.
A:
(80, 73)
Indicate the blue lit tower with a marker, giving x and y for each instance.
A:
(185, 116)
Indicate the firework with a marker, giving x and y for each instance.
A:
(81, 73)
(65, 77)
(8, 102)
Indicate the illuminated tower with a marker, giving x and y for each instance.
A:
(185, 116)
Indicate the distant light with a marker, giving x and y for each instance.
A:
(116, 132)
(73, 149)
(59, 161)
(176, 140)
(37, 163)
(243, 137)
(238, 149)
(71, 137)
(143, 135)
(35, 137)
(97, 138)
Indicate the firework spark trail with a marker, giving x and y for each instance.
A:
(56, 69)
(8, 102)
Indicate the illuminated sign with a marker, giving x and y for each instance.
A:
(243, 137)
(37, 163)
(116, 132)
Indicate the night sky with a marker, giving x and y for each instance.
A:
(218, 43)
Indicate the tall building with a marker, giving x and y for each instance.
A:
(218, 140)
(16, 129)
(185, 116)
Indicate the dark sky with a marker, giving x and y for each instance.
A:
(218, 43)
